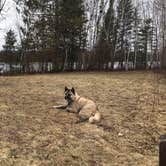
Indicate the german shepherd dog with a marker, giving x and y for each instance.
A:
(86, 109)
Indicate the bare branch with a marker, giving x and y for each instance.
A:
(2, 5)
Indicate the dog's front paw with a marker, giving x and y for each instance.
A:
(54, 106)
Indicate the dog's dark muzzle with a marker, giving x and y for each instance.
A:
(68, 97)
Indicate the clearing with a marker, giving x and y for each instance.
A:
(133, 105)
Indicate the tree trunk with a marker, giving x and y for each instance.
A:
(127, 61)
(65, 61)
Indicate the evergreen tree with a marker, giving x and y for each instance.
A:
(10, 40)
(125, 19)
(109, 24)
(58, 25)
(145, 35)
(135, 36)
(9, 47)
(72, 30)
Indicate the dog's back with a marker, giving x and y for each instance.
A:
(89, 109)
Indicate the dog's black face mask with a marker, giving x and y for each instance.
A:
(69, 94)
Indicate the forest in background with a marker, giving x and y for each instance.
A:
(67, 35)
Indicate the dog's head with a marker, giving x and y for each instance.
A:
(69, 94)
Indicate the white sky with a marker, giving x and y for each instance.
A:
(8, 20)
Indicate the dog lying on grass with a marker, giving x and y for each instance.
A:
(86, 109)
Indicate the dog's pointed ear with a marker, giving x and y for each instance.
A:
(66, 88)
(73, 90)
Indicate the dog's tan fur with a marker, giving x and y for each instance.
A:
(86, 109)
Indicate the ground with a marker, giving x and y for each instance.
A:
(33, 133)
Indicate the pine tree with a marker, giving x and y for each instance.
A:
(125, 19)
(10, 40)
(72, 30)
(9, 47)
(145, 36)
(110, 34)
(58, 26)
(135, 35)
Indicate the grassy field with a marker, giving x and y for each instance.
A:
(133, 105)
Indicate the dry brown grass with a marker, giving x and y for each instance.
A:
(32, 133)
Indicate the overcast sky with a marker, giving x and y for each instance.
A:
(8, 20)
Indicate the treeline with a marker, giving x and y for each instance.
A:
(66, 35)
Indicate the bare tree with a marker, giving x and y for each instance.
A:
(160, 6)
(163, 27)
(2, 5)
